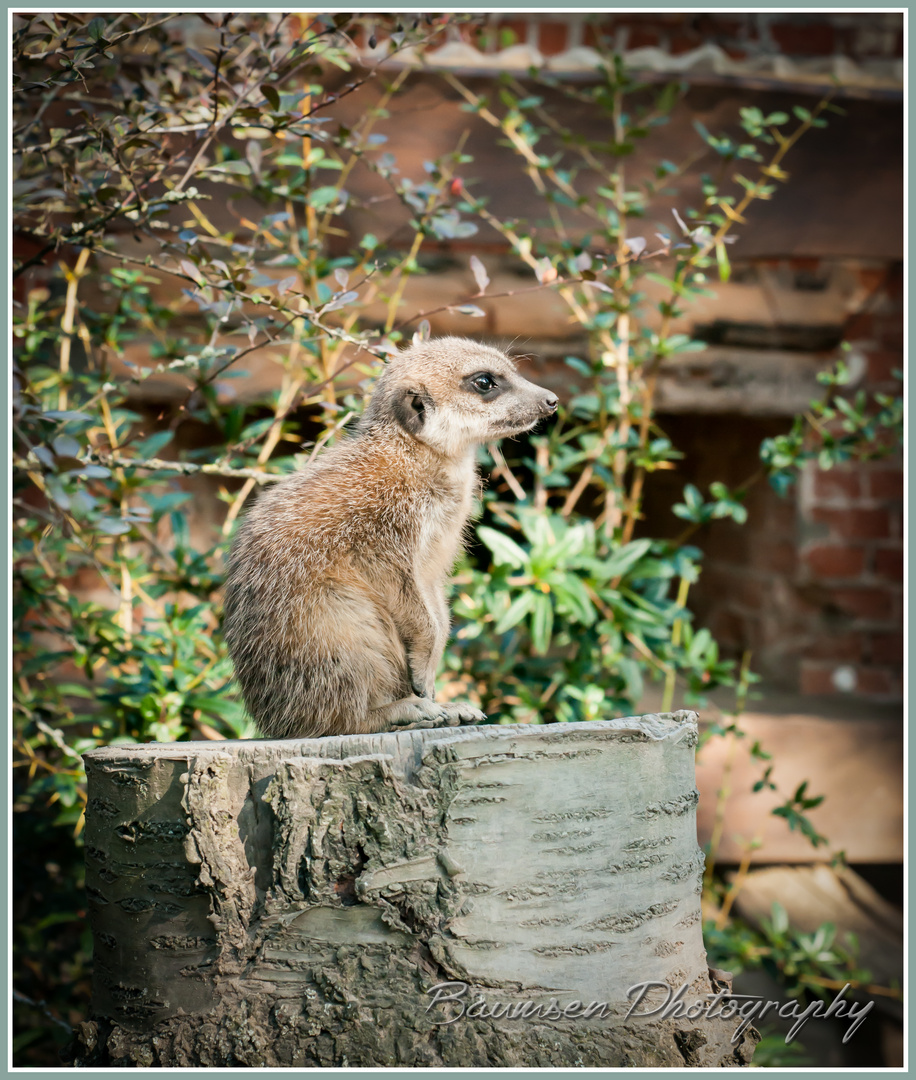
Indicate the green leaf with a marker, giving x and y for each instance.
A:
(700, 644)
(151, 446)
(65, 414)
(233, 168)
(725, 270)
(505, 550)
(632, 676)
(191, 270)
(571, 593)
(626, 557)
(518, 609)
(113, 526)
(779, 918)
(323, 197)
(541, 623)
(569, 545)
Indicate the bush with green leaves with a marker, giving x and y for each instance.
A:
(130, 133)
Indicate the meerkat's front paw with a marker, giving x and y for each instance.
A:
(416, 712)
(411, 713)
(462, 713)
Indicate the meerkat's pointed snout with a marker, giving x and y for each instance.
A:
(550, 404)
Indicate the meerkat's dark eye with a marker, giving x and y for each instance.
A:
(483, 383)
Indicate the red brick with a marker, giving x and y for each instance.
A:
(775, 556)
(886, 649)
(682, 43)
(886, 483)
(835, 561)
(713, 26)
(890, 336)
(854, 524)
(838, 483)
(657, 18)
(877, 681)
(737, 588)
(882, 365)
(729, 629)
(816, 678)
(894, 283)
(871, 278)
(805, 264)
(889, 564)
(805, 39)
(641, 38)
(843, 648)
(865, 603)
(779, 514)
(552, 38)
(860, 326)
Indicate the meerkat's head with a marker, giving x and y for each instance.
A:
(452, 393)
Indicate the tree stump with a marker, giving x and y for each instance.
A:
(297, 903)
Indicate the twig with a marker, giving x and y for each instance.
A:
(839, 984)
(502, 469)
(542, 459)
(676, 629)
(42, 1007)
(66, 323)
(184, 468)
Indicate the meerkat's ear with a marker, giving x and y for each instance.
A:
(411, 407)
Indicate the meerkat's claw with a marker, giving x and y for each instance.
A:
(462, 713)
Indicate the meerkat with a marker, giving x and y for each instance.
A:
(335, 610)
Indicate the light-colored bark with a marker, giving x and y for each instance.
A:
(291, 902)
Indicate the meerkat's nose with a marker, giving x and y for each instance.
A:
(550, 403)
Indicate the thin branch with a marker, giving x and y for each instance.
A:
(183, 468)
(42, 1007)
(502, 469)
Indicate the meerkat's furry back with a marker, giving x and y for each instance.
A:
(335, 612)
(312, 577)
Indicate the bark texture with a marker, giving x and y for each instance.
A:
(291, 903)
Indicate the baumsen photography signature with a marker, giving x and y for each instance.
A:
(457, 1003)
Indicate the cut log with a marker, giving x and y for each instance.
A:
(297, 903)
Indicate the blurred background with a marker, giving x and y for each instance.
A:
(492, 141)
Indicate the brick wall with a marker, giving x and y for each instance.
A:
(851, 540)
(861, 36)
(813, 583)
(867, 39)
